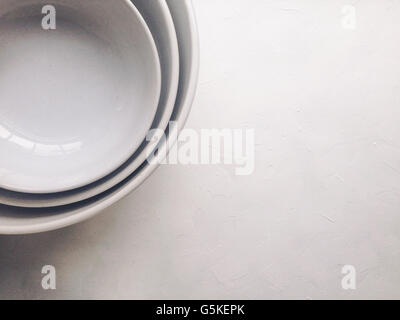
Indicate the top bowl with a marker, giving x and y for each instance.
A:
(77, 100)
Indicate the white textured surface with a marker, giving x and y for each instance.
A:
(326, 191)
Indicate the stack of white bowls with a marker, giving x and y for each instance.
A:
(83, 83)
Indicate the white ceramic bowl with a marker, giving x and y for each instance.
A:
(158, 18)
(77, 101)
(23, 220)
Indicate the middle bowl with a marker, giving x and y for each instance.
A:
(157, 15)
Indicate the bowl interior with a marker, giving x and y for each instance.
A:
(84, 91)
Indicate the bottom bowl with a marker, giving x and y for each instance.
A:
(27, 220)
